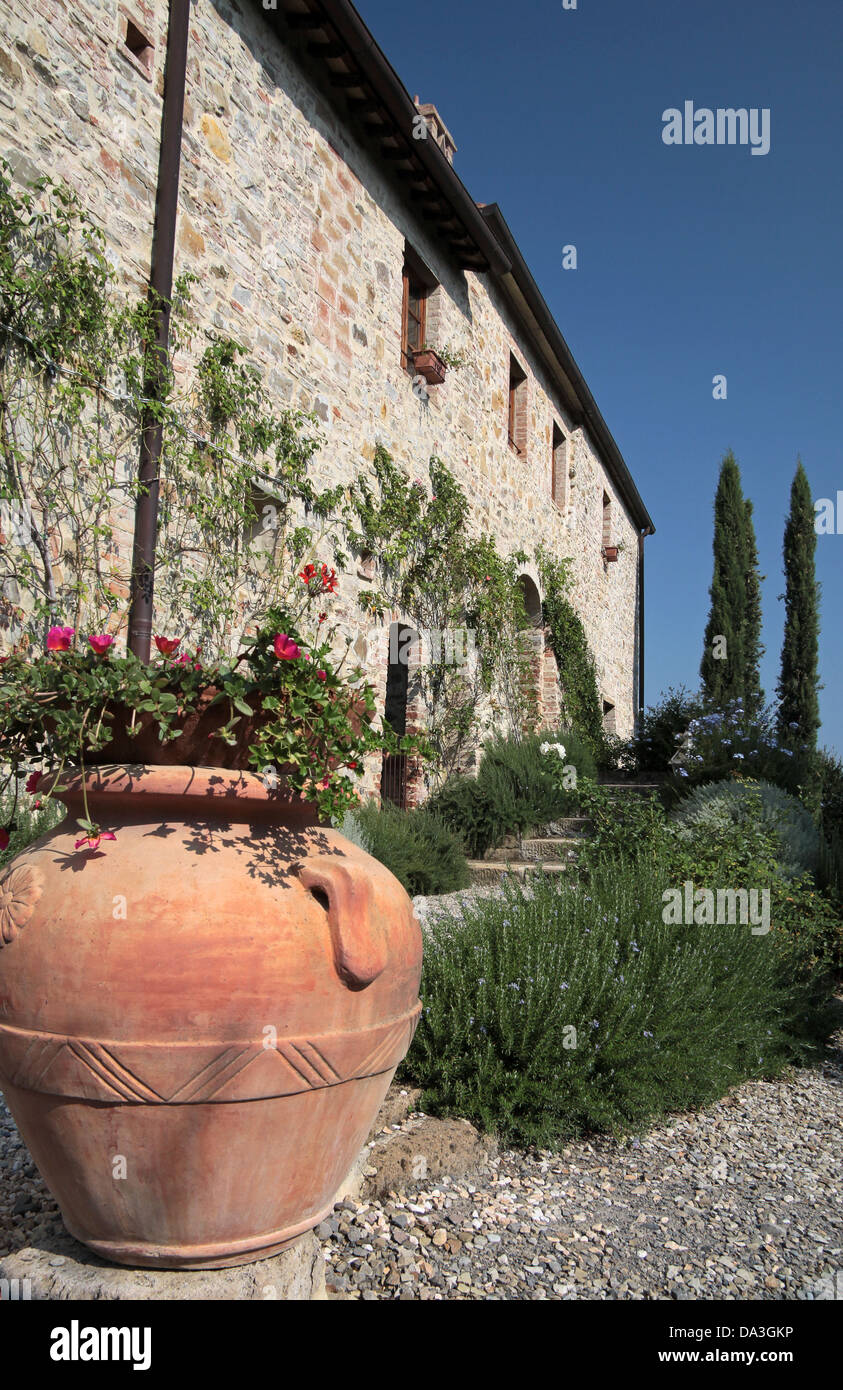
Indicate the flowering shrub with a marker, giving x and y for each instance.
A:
(549, 1014)
(63, 709)
(521, 783)
(728, 743)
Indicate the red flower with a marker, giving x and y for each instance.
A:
(329, 580)
(4, 838)
(92, 841)
(322, 676)
(352, 764)
(308, 573)
(167, 645)
(59, 639)
(322, 617)
(101, 643)
(285, 648)
(32, 782)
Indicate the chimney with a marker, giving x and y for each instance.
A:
(438, 129)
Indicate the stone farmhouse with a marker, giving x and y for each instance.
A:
(319, 205)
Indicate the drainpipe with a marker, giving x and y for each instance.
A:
(160, 294)
(647, 531)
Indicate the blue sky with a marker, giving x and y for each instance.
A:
(692, 261)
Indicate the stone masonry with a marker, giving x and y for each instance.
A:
(296, 231)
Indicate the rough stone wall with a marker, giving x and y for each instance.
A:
(297, 235)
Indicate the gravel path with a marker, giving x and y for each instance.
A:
(740, 1201)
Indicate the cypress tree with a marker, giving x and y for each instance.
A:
(798, 714)
(753, 647)
(723, 665)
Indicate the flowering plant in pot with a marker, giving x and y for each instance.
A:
(229, 985)
(278, 708)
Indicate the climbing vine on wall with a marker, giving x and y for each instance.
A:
(581, 703)
(441, 579)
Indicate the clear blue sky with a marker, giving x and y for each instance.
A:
(692, 261)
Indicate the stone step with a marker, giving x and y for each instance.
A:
(632, 788)
(562, 828)
(562, 850)
(483, 872)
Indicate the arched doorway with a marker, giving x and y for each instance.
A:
(540, 687)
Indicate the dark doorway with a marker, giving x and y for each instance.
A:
(394, 768)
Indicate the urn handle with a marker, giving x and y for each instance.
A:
(359, 942)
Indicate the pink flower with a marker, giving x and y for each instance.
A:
(101, 643)
(32, 782)
(285, 648)
(167, 645)
(92, 841)
(325, 783)
(321, 675)
(4, 837)
(59, 639)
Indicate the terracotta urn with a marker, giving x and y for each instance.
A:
(200, 1018)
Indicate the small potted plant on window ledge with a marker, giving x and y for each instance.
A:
(430, 365)
(612, 552)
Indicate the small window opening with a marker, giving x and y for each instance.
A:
(138, 45)
(517, 407)
(559, 474)
(607, 520)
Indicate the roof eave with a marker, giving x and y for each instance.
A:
(518, 283)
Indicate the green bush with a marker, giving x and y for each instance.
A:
(27, 821)
(517, 788)
(424, 855)
(467, 806)
(830, 776)
(721, 852)
(549, 1014)
(728, 804)
(661, 727)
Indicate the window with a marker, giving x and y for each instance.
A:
(414, 320)
(419, 284)
(137, 47)
(609, 721)
(559, 467)
(517, 407)
(607, 520)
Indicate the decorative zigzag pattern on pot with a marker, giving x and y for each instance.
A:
(191, 1073)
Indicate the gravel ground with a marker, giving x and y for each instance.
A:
(740, 1201)
(450, 904)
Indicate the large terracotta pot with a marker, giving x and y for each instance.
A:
(200, 1019)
